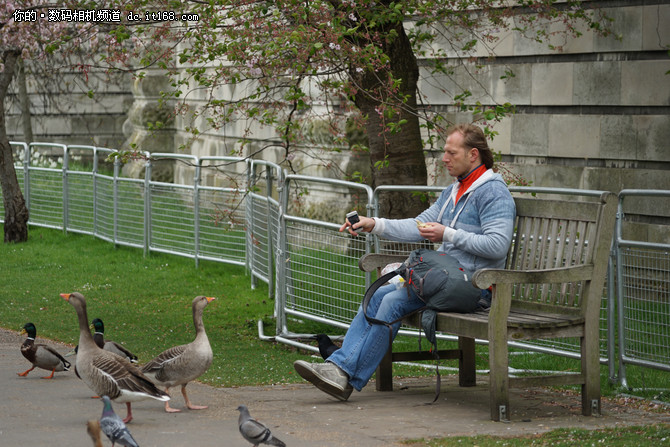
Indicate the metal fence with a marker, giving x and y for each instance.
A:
(642, 289)
(251, 218)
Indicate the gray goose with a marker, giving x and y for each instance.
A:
(106, 373)
(181, 364)
(41, 355)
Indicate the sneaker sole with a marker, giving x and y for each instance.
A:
(324, 385)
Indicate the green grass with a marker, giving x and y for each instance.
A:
(144, 302)
(649, 435)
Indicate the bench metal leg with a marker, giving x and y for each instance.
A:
(385, 372)
(466, 362)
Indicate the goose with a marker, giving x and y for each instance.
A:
(181, 364)
(108, 345)
(106, 373)
(41, 355)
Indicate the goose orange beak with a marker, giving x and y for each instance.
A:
(65, 296)
(210, 299)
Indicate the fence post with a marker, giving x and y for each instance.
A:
(620, 311)
(147, 205)
(66, 193)
(95, 190)
(271, 242)
(26, 175)
(280, 263)
(196, 212)
(249, 217)
(115, 192)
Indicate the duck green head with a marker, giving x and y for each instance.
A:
(30, 329)
(98, 325)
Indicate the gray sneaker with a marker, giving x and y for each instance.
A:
(327, 377)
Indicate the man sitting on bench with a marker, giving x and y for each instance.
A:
(474, 220)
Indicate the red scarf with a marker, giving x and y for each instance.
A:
(467, 181)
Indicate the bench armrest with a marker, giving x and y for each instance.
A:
(485, 278)
(372, 261)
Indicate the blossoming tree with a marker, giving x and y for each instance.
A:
(22, 36)
(286, 64)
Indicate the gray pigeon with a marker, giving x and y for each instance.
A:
(114, 427)
(254, 431)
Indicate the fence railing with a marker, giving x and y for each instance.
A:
(250, 218)
(642, 293)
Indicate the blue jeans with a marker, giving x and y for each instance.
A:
(365, 344)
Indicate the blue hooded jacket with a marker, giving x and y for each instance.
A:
(483, 219)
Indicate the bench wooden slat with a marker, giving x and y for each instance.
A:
(553, 209)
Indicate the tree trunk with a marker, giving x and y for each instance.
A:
(16, 212)
(403, 150)
(24, 100)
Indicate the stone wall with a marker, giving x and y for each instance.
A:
(594, 116)
(67, 114)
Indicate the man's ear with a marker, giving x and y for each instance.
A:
(474, 154)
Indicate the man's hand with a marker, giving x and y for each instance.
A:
(432, 231)
(366, 223)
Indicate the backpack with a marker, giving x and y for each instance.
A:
(438, 279)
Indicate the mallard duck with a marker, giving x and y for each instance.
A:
(41, 355)
(181, 364)
(108, 374)
(108, 345)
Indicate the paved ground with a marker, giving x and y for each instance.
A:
(40, 412)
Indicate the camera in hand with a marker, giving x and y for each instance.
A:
(352, 217)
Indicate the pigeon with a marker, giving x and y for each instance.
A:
(93, 430)
(255, 432)
(326, 345)
(113, 426)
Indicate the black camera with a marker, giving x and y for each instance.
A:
(352, 217)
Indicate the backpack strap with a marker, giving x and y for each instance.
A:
(371, 291)
(389, 324)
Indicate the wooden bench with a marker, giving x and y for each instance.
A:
(551, 287)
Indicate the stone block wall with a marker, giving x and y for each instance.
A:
(594, 116)
(68, 115)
